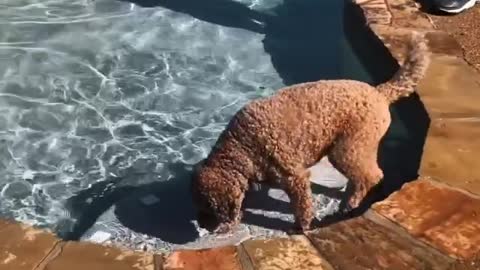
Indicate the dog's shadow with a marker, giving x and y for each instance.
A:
(165, 209)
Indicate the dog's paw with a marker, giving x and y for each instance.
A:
(255, 187)
(224, 228)
(354, 202)
(294, 231)
(298, 229)
(346, 209)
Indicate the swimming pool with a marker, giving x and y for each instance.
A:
(105, 105)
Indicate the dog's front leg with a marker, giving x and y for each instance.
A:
(300, 194)
(230, 215)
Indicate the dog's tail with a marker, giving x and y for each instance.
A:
(410, 73)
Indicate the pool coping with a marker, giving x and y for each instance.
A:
(405, 231)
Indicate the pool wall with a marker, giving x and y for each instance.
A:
(432, 222)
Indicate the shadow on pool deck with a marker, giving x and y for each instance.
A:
(307, 57)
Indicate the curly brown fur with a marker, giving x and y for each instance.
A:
(276, 139)
(413, 69)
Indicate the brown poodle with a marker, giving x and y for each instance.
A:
(276, 139)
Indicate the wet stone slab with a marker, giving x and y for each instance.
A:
(445, 218)
(284, 253)
(81, 256)
(361, 244)
(22, 247)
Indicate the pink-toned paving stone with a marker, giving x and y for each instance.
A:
(285, 253)
(446, 218)
(225, 258)
(361, 244)
(23, 247)
(89, 256)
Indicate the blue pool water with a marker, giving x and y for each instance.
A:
(103, 102)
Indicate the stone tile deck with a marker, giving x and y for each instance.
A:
(361, 244)
(431, 223)
(445, 218)
(23, 248)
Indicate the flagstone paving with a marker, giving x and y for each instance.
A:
(445, 218)
(22, 247)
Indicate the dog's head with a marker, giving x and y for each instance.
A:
(215, 206)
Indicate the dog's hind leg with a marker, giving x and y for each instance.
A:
(356, 158)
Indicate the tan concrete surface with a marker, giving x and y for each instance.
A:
(451, 152)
